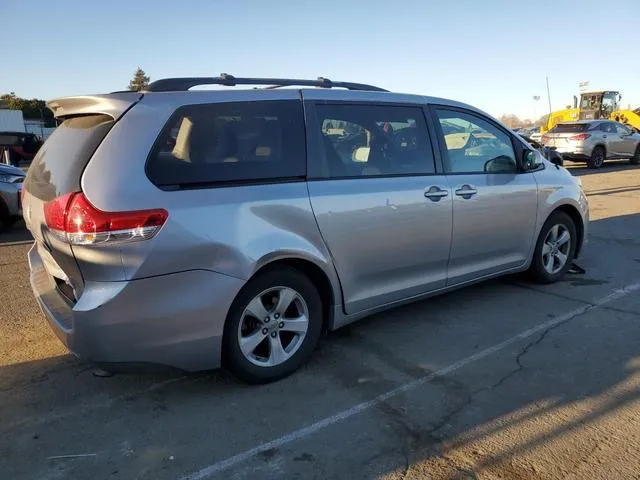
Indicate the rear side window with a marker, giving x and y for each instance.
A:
(230, 143)
(374, 140)
(58, 166)
(570, 128)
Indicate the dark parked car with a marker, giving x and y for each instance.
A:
(21, 146)
(11, 179)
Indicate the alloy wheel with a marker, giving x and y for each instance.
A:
(273, 326)
(556, 248)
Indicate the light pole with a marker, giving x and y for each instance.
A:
(536, 99)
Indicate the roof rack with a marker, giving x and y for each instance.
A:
(185, 83)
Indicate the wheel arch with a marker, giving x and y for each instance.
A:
(604, 147)
(329, 292)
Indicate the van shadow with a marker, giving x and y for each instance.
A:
(452, 446)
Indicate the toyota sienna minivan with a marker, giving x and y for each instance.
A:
(206, 228)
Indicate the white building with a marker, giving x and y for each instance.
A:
(11, 121)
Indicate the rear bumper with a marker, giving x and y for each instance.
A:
(175, 320)
(578, 153)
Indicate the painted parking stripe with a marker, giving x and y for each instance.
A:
(222, 465)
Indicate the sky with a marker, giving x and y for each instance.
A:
(493, 54)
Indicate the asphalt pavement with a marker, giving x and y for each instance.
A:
(506, 379)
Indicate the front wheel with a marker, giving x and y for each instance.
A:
(555, 248)
(273, 326)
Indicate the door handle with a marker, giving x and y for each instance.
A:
(435, 193)
(466, 191)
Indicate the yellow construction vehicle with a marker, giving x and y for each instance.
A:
(595, 106)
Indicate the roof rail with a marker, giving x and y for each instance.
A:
(185, 83)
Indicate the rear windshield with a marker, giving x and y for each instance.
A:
(58, 166)
(570, 128)
(234, 142)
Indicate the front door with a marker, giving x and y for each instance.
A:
(627, 141)
(494, 205)
(381, 209)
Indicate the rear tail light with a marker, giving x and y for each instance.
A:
(74, 220)
(580, 136)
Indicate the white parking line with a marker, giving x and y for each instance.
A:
(361, 407)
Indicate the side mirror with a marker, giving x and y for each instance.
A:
(501, 164)
(529, 160)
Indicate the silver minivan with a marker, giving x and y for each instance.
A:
(200, 228)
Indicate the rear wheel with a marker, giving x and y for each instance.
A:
(597, 158)
(555, 248)
(273, 326)
(635, 160)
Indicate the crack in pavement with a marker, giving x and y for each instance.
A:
(622, 310)
(566, 297)
(518, 359)
(531, 288)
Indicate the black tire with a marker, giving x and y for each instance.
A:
(537, 269)
(635, 160)
(598, 156)
(6, 221)
(233, 358)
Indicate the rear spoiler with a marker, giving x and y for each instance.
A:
(113, 104)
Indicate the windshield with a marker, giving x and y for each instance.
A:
(570, 128)
(591, 102)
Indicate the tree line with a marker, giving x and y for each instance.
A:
(513, 121)
(32, 108)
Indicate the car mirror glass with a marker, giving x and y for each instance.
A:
(529, 159)
(500, 164)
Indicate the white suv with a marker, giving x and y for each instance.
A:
(594, 141)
